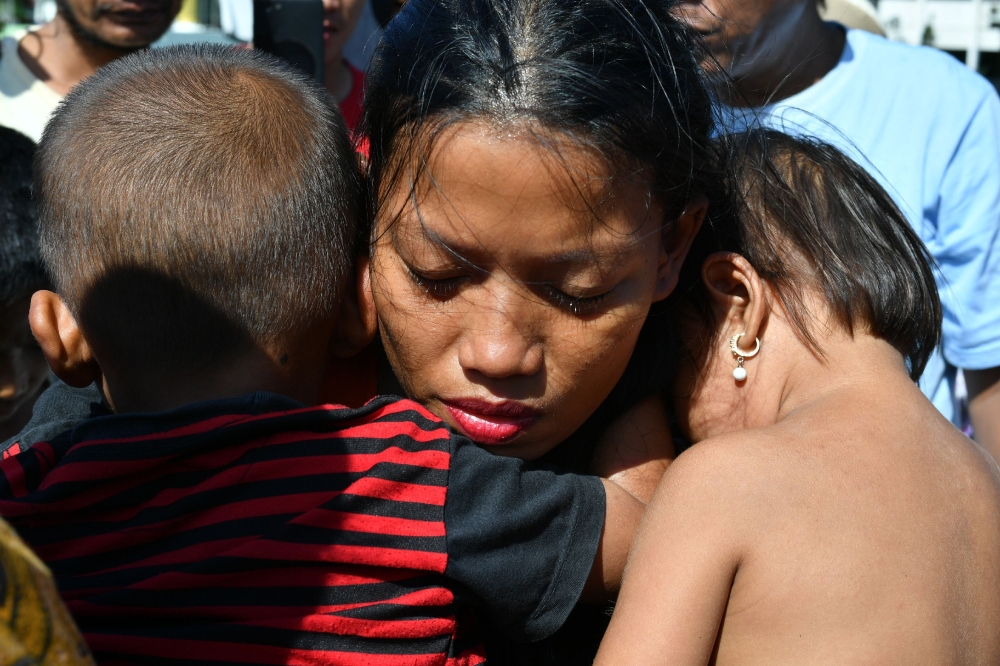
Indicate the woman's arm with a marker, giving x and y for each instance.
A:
(636, 450)
(681, 569)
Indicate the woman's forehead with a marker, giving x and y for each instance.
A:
(486, 191)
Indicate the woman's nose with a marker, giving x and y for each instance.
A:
(498, 341)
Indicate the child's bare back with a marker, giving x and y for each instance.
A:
(828, 515)
(867, 531)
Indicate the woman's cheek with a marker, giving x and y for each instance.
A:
(599, 352)
(417, 341)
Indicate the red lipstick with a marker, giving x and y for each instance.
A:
(491, 423)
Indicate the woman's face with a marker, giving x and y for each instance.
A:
(511, 290)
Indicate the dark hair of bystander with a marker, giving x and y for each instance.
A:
(21, 271)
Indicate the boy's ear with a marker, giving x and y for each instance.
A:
(54, 327)
(356, 322)
(677, 242)
(738, 295)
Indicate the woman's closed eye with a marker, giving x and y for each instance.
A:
(443, 287)
(578, 305)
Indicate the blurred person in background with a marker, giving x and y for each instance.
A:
(925, 126)
(38, 67)
(35, 627)
(343, 80)
(23, 370)
(858, 14)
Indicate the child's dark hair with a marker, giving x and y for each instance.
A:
(616, 77)
(21, 271)
(195, 201)
(810, 216)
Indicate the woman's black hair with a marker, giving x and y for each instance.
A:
(810, 217)
(617, 77)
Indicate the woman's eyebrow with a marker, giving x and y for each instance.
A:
(470, 250)
(605, 253)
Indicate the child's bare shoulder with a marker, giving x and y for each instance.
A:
(748, 455)
(733, 473)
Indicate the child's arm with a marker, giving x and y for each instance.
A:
(529, 543)
(636, 449)
(682, 567)
(621, 520)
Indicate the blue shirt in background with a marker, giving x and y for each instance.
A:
(928, 129)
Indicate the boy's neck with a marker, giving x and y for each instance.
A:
(300, 378)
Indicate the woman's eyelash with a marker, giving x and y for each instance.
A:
(447, 287)
(438, 288)
(577, 305)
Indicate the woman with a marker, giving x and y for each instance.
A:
(538, 174)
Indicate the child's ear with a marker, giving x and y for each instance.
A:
(356, 322)
(677, 242)
(69, 356)
(738, 295)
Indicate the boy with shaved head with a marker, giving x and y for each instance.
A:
(199, 217)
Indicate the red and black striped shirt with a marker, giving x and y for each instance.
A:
(259, 531)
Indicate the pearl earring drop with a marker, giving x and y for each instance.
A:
(740, 373)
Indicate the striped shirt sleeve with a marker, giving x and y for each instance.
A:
(521, 540)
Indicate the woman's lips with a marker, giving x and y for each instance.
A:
(491, 423)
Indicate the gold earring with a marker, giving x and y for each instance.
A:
(740, 373)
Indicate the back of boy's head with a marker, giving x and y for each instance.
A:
(21, 271)
(196, 202)
(810, 217)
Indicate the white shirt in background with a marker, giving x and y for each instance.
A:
(25, 101)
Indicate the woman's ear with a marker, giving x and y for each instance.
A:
(677, 242)
(69, 356)
(738, 294)
(356, 322)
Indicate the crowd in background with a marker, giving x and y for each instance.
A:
(921, 125)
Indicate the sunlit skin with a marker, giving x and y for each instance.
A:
(22, 369)
(828, 514)
(340, 18)
(511, 297)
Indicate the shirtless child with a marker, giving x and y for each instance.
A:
(829, 514)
